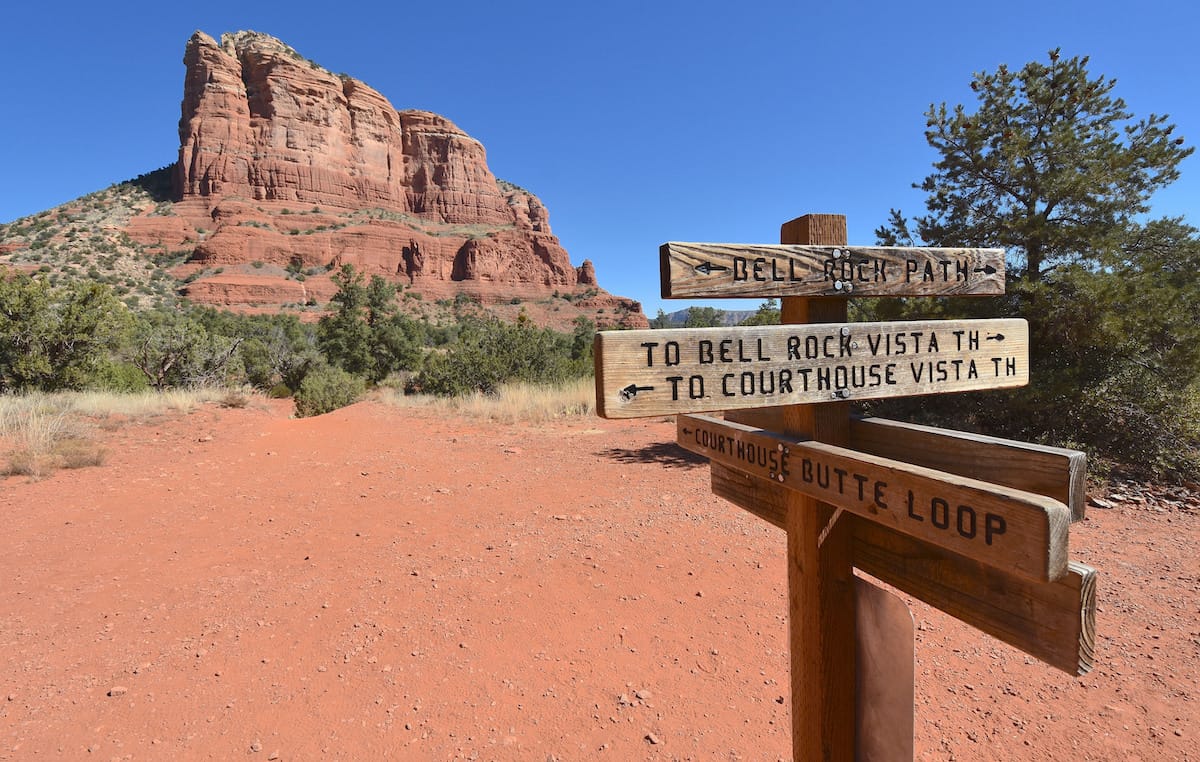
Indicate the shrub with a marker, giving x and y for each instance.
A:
(488, 352)
(365, 334)
(327, 388)
(116, 376)
(44, 439)
(77, 452)
(234, 398)
(55, 339)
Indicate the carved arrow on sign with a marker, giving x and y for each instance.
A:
(707, 268)
(631, 391)
(997, 337)
(986, 270)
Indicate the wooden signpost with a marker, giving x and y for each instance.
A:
(641, 373)
(975, 526)
(758, 271)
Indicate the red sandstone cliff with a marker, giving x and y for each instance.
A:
(283, 163)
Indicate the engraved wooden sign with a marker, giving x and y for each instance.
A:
(1052, 621)
(716, 270)
(1051, 471)
(1021, 532)
(688, 370)
(973, 525)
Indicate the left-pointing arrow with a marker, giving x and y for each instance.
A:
(707, 268)
(631, 391)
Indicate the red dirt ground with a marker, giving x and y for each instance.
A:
(383, 583)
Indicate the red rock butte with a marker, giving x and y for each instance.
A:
(283, 164)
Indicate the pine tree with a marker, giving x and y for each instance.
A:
(1050, 166)
(1053, 167)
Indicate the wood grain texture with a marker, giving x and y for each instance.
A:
(885, 688)
(821, 610)
(688, 370)
(1051, 621)
(1022, 532)
(718, 270)
(1054, 622)
(1051, 471)
(1055, 472)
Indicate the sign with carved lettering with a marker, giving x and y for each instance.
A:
(688, 370)
(1020, 532)
(716, 270)
(1054, 621)
(976, 526)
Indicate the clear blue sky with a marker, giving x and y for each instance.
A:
(636, 122)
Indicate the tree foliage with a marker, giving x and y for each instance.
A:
(489, 352)
(768, 313)
(275, 349)
(1050, 165)
(173, 349)
(365, 335)
(81, 336)
(1053, 167)
(53, 340)
(582, 343)
(704, 317)
(325, 389)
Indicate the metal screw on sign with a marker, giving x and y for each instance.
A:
(786, 452)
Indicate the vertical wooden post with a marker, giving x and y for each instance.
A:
(820, 573)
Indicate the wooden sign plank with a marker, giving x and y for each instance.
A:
(885, 675)
(1051, 471)
(688, 370)
(1055, 472)
(1019, 531)
(1055, 622)
(1051, 621)
(717, 270)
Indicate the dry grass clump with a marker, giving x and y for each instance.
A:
(40, 433)
(42, 439)
(515, 403)
(95, 404)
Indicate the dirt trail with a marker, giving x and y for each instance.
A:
(384, 583)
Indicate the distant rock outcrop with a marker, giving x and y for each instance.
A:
(286, 168)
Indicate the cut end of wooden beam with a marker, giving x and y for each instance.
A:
(1087, 615)
(815, 229)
